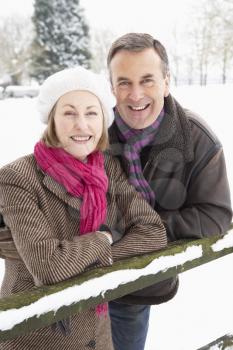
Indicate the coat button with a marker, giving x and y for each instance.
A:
(91, 344)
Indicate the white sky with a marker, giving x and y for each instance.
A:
(120, 16)
(13, 6)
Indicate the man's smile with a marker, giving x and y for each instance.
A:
(139, 108)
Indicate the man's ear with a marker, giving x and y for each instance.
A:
(112, 89)
(167, 85)
(110, 82)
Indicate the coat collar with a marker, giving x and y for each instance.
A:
(173, 142)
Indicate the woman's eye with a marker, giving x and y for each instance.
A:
(69, 113)
(91, 113)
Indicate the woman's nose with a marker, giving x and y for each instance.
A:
(80, 122)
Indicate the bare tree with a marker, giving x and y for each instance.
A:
(202, 33)
(189, 68)
(211, 37)
(101, 41)
(175, 56)
(223, 51)
(15, 40)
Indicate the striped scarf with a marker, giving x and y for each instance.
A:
(134, 141)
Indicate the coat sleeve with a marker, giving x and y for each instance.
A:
(1, 221)
(141, 227)
(48, 259)
(207, 209)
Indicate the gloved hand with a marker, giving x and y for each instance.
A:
(7, 246)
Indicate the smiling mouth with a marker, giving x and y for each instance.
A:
(139, 108)
(81, 138)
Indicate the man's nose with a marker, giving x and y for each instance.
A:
(136, 93)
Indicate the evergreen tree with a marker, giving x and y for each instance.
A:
(61, 37)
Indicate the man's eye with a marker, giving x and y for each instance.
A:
(123, 83)
(148, 82)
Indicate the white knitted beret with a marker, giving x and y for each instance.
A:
(69, 79)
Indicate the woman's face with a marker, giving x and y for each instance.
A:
(78, 123)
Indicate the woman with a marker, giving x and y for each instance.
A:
(69, 207)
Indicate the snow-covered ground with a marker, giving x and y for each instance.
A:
(203, 308)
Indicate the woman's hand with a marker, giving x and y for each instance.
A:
(108, 235)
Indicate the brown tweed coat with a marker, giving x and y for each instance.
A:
(44, 221)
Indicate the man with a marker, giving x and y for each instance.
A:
(171, 156)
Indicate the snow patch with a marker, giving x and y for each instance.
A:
(215, 347)
(225, 242)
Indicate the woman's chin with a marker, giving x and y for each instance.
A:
(78, 152)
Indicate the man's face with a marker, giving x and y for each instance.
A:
(139, 86)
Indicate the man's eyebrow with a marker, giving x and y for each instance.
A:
(122, 78)
(149, 75)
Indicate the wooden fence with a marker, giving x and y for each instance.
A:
(27, 311)
(223, 343)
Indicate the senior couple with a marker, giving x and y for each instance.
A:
(90, 195)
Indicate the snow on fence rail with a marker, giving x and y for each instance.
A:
(223, 343)
(27, 311)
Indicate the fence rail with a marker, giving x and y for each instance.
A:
(40, 307)
(223, 343)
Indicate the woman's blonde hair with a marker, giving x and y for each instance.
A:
(50, 138)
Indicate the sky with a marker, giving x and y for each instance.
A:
(152, 16)
(13, 6)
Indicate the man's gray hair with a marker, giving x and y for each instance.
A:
(136, 42)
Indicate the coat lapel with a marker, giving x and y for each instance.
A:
(61, 192)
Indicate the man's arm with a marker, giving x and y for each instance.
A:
(207, 209)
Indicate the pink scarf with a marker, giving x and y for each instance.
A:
(84, 180)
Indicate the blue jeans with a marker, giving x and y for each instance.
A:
(129, 325)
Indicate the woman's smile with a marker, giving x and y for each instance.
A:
(81, 139)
